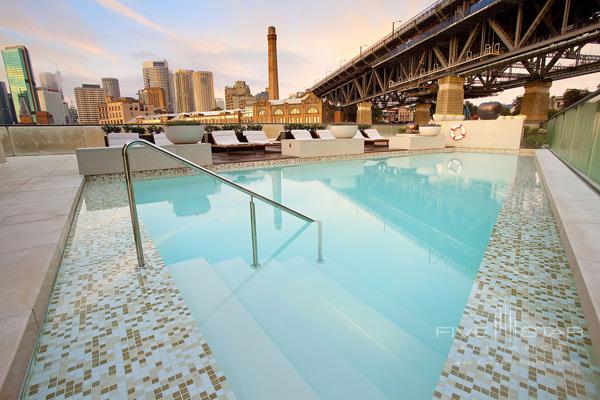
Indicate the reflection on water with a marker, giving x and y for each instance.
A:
(403, 240)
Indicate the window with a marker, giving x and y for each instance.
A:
(313, 110)
(278, 112)
(262, 112)
(294, 111)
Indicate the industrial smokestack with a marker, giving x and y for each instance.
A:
(273, 75)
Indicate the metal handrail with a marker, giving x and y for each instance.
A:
(133, 209)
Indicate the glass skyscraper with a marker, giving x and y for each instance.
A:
(20, 79)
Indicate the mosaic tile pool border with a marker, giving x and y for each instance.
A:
(523, 333)
(113, 329)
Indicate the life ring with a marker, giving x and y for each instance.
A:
(454, 166)
(458, 135)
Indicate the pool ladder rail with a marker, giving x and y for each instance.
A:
(253, 195)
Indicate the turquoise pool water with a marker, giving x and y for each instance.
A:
(403, 240)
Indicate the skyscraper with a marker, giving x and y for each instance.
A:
(154, 97)
(204, 90)
(51, 80)
(88, 98)
(111, 85)
(7, 116)
(184, 90)
(51, 101)
(20, 79)
(156, 74)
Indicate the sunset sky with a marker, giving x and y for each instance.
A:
(87, 39)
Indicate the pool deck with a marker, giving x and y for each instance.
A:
(577, 210)
(37, 200)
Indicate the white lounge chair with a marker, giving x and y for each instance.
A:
(160, 139)
(228, 140)
(120, 139)
(374, 137)
(325, 134)
(301, 134)
(259, 137)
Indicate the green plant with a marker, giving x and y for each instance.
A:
(232, 127)
(363, 126)
(253, 127)
(533, 138)
(111, 128)
(178, 122)
(126, 128)
(401, 129)
(211, 128)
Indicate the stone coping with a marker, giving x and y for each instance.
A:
(577, 210)
(37, 201)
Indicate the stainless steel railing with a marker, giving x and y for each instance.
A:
(253, 195)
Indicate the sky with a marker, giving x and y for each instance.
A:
(90, 39)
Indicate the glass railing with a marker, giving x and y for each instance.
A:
(574, 136)
(182, 196)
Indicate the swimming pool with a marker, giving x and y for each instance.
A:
(403, 240)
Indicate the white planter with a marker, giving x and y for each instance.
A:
(430, 130)
(343, 131)
(184, 134)
(440, 117)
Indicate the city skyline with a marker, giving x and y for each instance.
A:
(102, 39)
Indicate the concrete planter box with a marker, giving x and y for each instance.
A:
(108, 160)
(417, 142)
(184, 134)
(322, 148)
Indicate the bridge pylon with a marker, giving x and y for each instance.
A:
(364, 115)
(422, 113)
(536, 100)
(450, 95)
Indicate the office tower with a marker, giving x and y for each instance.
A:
(156, 74)
(72, 112)
(184, 90)
(88, 98)
(7, 116)
(52, 80)
(238, 96)
(220, 103)
(204, 90)
(154, 98)
(20, 80)
(51, 100)
(273, 73)
(111, 85)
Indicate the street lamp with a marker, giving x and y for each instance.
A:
(394, 25)
(361, 46)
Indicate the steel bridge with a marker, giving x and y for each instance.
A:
(494, 44)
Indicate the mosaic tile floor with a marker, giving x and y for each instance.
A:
(112, 330)
(523, 333)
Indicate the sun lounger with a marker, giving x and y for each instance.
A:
(121, 139)
(325, 134)
(259, 137)
(228, 140)
(301, 134)
(160, 139)
(374, 137)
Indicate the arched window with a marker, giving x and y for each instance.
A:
(313, 110)
(278, 112)
(262, 112)
(295, 111)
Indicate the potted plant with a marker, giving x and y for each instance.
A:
(430, 129)
(184, 132)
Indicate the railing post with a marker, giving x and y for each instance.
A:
(320, 244)
(137, 237)
(255, 263)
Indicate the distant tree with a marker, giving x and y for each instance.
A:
(377, 115)
(505, 110)
(571, 96)
(217, 109)
(472, 109)
(516, 105)
(551, 112)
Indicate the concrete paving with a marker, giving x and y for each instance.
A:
(577, 208)
(38, 196)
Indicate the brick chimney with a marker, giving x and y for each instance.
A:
(273, 75)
